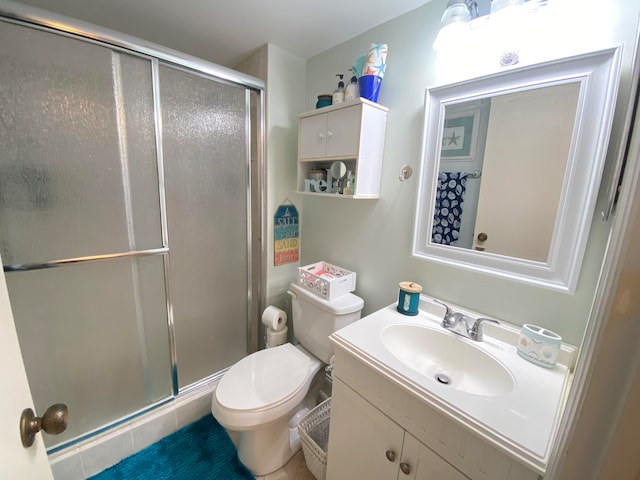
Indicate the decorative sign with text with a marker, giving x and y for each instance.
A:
(286, 245)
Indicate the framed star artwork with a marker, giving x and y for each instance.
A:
(459, 137)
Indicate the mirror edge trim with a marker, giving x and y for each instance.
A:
(600, 73)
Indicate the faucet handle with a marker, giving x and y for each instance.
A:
(447, 312)
(476, 330)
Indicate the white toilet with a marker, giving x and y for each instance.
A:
(260, 394)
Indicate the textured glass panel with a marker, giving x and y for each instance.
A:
(69, 111)
(94, 336)
(137, 146)
(205, 161)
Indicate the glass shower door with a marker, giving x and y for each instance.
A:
(126, 207)
(206, 164)
(79, 192)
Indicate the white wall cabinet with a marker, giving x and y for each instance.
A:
(365, 443)
(351, 132)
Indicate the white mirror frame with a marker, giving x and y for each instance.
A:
(598, 74)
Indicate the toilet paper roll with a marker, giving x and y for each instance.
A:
(276, 337)
(274, 318)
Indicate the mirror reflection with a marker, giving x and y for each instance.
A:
(502, 169)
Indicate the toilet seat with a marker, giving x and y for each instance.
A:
(259, 380)
(263, 386)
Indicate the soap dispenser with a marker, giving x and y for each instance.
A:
(338, 93)
(352, 91)
(348, 188)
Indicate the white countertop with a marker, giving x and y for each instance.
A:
(521, 423)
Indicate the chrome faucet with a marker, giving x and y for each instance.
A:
(459, 323)
(476, 333)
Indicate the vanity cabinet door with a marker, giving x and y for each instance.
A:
(363, 442)
(418, 462)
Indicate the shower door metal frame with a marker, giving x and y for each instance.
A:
(31, 17)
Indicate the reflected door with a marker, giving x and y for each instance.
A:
(520, 190)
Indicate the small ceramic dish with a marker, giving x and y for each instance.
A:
(539, 345)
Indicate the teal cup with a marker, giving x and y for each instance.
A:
(409, 298)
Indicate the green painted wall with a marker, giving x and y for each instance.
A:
(374, 237)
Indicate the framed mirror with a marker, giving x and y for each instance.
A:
(511, 166)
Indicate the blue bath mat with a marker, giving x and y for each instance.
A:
(202, 450)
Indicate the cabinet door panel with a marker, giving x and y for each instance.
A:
(359, 438)
(425, 464)
(343, 132)
(313, 133)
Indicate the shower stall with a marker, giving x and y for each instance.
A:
(130, 217)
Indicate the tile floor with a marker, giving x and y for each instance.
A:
(295, 469)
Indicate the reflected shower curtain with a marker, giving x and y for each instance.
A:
(448, 207)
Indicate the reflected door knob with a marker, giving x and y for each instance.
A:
(481, 238)
(54, 421)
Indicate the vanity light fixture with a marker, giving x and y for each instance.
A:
(460, 18)
(459, 11)
(454, 22)
(505, 6)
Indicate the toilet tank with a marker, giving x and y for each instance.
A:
(315, 318)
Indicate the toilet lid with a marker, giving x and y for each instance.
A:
(263, 378)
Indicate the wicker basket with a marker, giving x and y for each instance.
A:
(314, 435)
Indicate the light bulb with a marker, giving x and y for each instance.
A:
(456, 11)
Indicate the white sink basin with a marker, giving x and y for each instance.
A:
(448, 359)
(492, 390)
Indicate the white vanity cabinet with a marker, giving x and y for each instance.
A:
(352, 132)
(371, 414)
(365, 443)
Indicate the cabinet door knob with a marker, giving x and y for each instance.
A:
(329, 133)
(320, 135)
(391, 455)
(405, 468)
